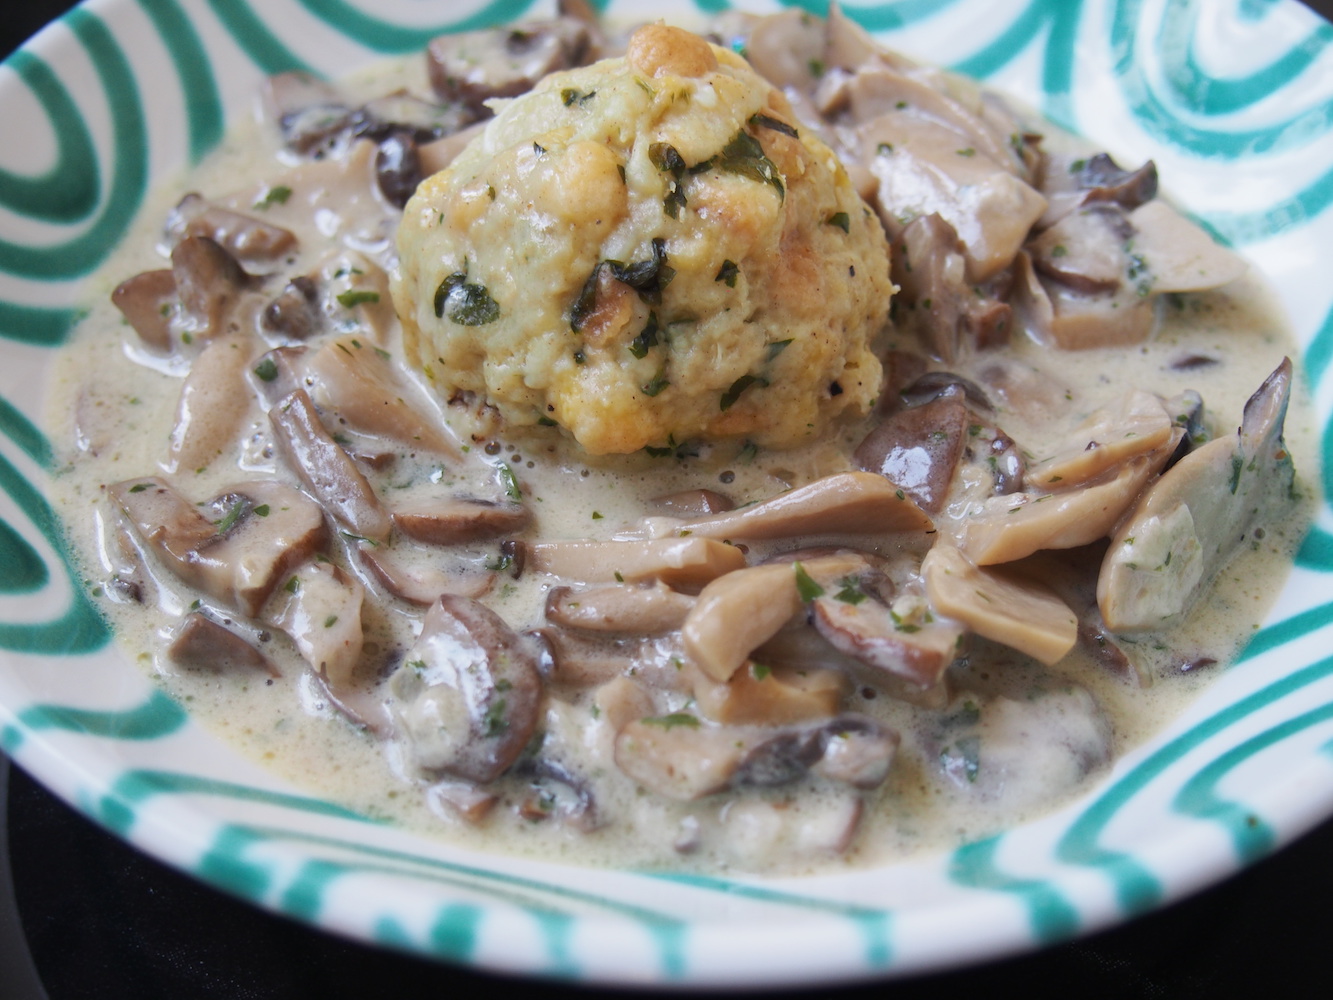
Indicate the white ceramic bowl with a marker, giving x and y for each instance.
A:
(1230, 98)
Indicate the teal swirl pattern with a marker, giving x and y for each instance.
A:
(1140, 76)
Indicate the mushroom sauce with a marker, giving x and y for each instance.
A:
(941, 618)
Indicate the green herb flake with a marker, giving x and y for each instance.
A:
(969, 152)
(851, 592)
(744, 155)
(355, 297)
(266, 370)
(673, 720)
(233, 515)
(658, 383)
(276, 195)
(262, 510)
(646, 339)
(760, 671)
(509, 481)
(729, 397)
(495, 720)
(140, 487)
(777, 347)
(728, 273)
(841, 220)
(293, 585)
(330, 621)
(805, 584)
(571, 95)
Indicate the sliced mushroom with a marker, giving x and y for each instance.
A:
(738, 612)
(678, 562)
(213, 405)
(421, 582)
(844, 503)
(693, 503)
(295, 313)
(475, 66)
(1135, 423)
(1179, 256)
(310, 112)
(557, 792)
(200, 643)
(262, 530)
(319, 607)
(325, 468)
(1085, 250)
(1022, 614)
(249, 240)
(918, 448)
(360, 385)
(770, 696)
(468, 695)
(147, 302)
(682, 758)
(1189, 524)
(581, 658)
(210, 283)
(454, 520)
(649, 609)
(1011, 527)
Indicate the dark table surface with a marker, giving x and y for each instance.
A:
(95, 919)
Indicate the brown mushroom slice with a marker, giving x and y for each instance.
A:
(583, 658)
(468, 695)
(649, 609)
(804, 648)
(620, 701)
(1085, 250)
(1016, 525)
(918, 449)
(475, 66)
(738, 612)
(682, 758)
(843, 503)
(358, 382)
(461, 799)
(454, 520)
(213, 405)
(693, 503)
(422, 583)
(262, 529)
(246, 238)
(210, 282)
(924, 168)
(759, 694)
(1190, 523)
(200, 643)
(918, 652)
(1133, 424)
(1179, 256)
(310, 112)
(294, 314)
(319, 607)
(678, 562)
(147, 302)
(1019, 613)
(325, 468)
(948, 313)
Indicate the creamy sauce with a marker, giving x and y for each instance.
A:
(975, 767)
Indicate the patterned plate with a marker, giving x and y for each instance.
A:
(1233, 98)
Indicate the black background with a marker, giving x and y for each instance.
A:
(103, 922)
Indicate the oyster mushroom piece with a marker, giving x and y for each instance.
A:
(310, 112)
(468, 695)
(200, 643)
(845, 503)
(239, 556)
(738, 612)
(1179, 256)
(682, 758)
(325, 468)
(582, 658)
(147, 301)
(319, 607)
(454, 520)
(648, 609)
(213, 405)
(1133, 424)
(1019, 613)
(1016, 525)
(1062, 317)
(1189, 524)
(677, 562)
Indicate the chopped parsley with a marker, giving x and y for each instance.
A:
(673, 720)
(805, 584)
(355, 297)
